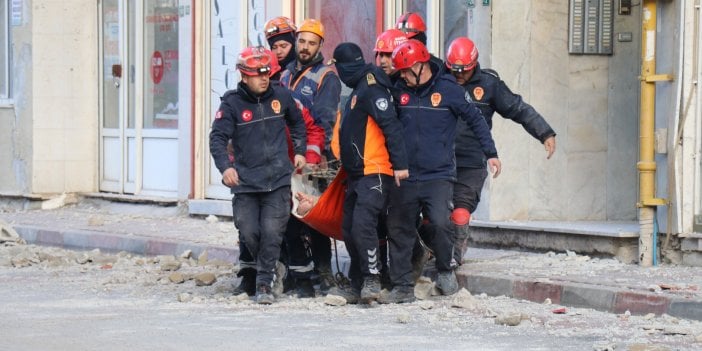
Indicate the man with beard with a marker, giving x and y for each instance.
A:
(318, 88)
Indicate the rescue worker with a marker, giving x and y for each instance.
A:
(318, 88)
(429, 104)
(412, 24)
(315, 143)
(254, 117)
(487, 91)
(368, 141)
(384, 45)
(280, 34)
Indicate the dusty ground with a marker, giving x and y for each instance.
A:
(58, 299)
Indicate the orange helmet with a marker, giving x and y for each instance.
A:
(275, 66)
(254, 61)
(408, 53)
(313, 26)
(411, 24)
(278, 25)
(462, 55)
(388, 40)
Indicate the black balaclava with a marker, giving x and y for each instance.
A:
(290, 38)
(422, 37)
(348, 59)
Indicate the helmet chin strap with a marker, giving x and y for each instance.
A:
(416, 76)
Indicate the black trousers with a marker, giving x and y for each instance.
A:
(261, 219)
(366, 198)
(433, 198)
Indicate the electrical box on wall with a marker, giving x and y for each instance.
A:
(591, 27)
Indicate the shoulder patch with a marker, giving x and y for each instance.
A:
(370, 78)
(382, 104)
(491, 72)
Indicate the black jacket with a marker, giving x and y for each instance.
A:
(369, 135)
(257, 127)
(487, 91)
(429, 115)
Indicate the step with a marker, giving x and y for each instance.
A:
(617, 239)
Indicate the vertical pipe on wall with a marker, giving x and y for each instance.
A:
(647, 164)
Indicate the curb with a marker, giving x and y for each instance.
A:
(146, 246)
(596, 297)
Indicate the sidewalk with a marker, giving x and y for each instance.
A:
(566, 279)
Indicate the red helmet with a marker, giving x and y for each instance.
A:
(278, 25)
(411, 24)
(254, 61)
(462, 55)
(408, 53)
(275, 66)
(388, 40)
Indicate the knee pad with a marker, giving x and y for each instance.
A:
(460, 216)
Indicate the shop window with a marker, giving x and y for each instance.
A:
(161, 56)
(346, 21)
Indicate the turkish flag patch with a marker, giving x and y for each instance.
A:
(247, 115)
(404, 99)
(218, 115)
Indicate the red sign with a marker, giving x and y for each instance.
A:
(156, 67)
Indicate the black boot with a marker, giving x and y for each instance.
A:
(248, 282)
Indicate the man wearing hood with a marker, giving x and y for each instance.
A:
(368, 141)
(280, 34)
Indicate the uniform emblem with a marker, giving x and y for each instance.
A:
(478, 92)
(468, 98)
(246, 115)
(382, 104)
(458, 62)
(353, 101)
(370, 78)
(435, 99)
(218, 115)
(404, 99)
(306, 90)
(380, 44)
(275, 105)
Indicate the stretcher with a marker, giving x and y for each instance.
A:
(325, 217)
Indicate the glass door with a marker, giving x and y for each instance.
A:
(141, 112)
(115, 78)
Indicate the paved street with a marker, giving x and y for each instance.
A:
(54, 299)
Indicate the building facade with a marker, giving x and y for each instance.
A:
(117, 96)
